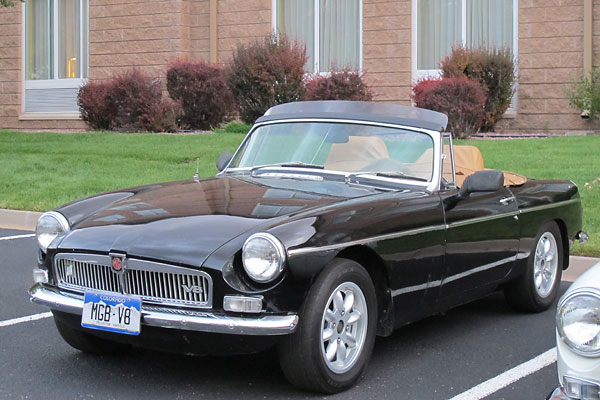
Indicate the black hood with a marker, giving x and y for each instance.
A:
(184, 222)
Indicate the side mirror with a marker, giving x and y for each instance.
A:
(223, 160)
(482, 181)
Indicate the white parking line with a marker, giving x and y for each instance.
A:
(28, 318)
(17, 236)
(512, 375)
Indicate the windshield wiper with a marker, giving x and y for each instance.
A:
(294, 164)
(394, 174)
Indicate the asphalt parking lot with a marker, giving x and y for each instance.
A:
(444, 357)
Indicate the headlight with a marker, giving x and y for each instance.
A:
(263, 257)
(49, 226)
(578, 321)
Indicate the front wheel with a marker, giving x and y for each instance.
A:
(334, 339)
(537, 288)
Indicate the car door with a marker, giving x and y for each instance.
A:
(482, 233)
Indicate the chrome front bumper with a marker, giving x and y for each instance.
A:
(201, 321)
(558, 394)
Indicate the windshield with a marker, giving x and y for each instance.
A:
(339, 147)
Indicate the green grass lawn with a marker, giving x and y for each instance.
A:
(573, 158)
(39, 171)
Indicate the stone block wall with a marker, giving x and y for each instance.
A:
(139, 33)
(550, 57)
(241, 22)
(148, 34)
(387, 49)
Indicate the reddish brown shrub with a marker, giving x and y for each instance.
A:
(94, 107)
(266, 73)
(461, 99)
(421, 90)
(494, 69)
(163, 116)
(202, 91)
(342, 85)
(134, 96)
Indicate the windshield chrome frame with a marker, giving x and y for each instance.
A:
(431, 186)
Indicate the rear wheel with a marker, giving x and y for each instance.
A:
(334, 339)
(537, 288)
(86, 342)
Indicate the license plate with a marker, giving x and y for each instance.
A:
(112, 313)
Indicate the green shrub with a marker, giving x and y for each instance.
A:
(266, 73)
(494, 69)
(584, 95)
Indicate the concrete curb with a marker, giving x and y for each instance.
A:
(577, 266)
(15, 219)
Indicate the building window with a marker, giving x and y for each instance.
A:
(55, 54)
(331, 30)
(441, 24)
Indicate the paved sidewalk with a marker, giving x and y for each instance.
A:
(26, 220)
(578, 266)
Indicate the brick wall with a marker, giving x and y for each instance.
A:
(150, 33)
(241, 22)
(550, 58)
(387, 49)
(138, 33)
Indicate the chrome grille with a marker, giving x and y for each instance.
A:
(161, 285)
(154, 282)
(79, 274)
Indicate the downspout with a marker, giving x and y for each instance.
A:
(214, 57)
(587, 38)
(587, 46)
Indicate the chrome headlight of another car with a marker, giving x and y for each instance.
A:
(263, 256)
(49, 226)
(578, 321)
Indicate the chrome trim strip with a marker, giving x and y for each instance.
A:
(553, 205)
(195, 321)
(481, 219)
(388, 236)
(417, 231)
(452, 278)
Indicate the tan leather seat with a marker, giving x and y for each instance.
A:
(356, 154)
(467, 161)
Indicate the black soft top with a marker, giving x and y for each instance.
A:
(358, 110)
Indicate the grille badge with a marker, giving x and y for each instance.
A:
(117, 264)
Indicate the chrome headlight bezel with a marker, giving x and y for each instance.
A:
(60, 224)
(273, 271)
(592, 293)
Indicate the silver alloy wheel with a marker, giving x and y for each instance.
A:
(344, 327)
(545, 264)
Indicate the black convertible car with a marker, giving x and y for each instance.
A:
(332, 223)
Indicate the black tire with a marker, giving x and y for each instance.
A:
(301, 354)
(522, 293)
(87, 342)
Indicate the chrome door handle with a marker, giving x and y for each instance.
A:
(507, 200)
